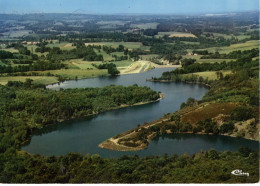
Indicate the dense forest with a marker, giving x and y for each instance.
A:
(23, 106)
(203, 167)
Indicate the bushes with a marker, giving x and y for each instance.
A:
(207, 125)
(210, 166)
(111, 67)
(242, 113)
(227, 127)
(190, 102)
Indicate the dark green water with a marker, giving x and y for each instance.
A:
(83, 135)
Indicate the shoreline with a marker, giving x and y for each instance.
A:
(112, 143)
(161, 96)
(170, 81)
(124, 73)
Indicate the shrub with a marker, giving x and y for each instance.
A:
(227, 127)
(242, 113)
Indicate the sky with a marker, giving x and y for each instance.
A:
(127, 6)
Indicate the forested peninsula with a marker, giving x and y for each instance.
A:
(26, 106)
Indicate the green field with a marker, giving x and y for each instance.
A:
(13, 50)
(76, 73)
(62, 45)
(123, 63)
(240, 46)
(118, 53)
(1, 63)
(241, 37)
(36, 79)
(211, 75)
(86, 65)
(190, 43)
(205, 60)
(80, 64)
(107, 57)
(129, 45)
(18, 33)
(148, 57)
(226, 36)
(174, 34)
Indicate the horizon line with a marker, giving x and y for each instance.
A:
(183, 14)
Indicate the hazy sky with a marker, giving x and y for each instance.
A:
(127, 6)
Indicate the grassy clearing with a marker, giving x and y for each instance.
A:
(211, 75)
(148, 57)
(13, 50)
(123, 63)
(241, 37)
(240, 46)
(76, 73)
(107, 57)
(190, 43)
(175, 34)
(87, 65)
(18, 33)
(36, 79)
(130, 45)
(118, 53)
(226, 36)
(207, 111)
(80, 64)
(214, 60)
(1, 63)
(198, 60)
(62, 45)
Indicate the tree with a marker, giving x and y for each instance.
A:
(113, 71)
(242, 113)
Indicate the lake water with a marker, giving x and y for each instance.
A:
(84, 134)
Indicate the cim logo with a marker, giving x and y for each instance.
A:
(238, 172)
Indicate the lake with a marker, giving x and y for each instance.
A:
(84, 134)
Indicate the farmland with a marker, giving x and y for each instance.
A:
(36, 79)
(175, 34)
(240, 46)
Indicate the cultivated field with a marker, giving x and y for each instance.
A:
(198, 60)
(130, 45)
(175, 34)
(36, 79)
(240, 46)
(211, 75)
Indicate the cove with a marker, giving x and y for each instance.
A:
(84, 134)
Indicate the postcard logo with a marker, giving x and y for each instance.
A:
(238, 172)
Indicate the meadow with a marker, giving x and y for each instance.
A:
(211, 75)
(198, 60)
(240, 46)
(75, 73)
(36, 79)
(175, 34)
